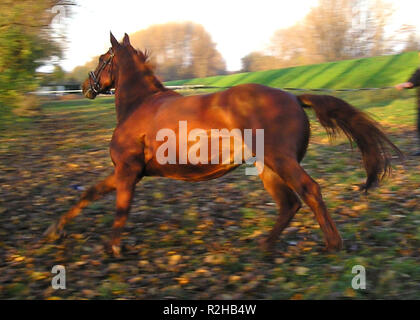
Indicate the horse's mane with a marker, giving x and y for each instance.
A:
(145, 54)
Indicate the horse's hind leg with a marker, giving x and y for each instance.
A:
(285, 198)
(298, 180)
(93, 193)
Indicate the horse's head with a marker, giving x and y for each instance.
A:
(102, 79)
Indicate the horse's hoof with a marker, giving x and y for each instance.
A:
(334, 247)
(53, 232)
(113, 250)
(363, 188)
(116, 251)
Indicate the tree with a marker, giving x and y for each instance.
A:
(329, 25)
(26, 43)
(58, 75)
(412, 43)
(335, 30)
(292, 46)
(180, 50)
(381, 12)
(80, 73)
(411, 40)
(256, 61)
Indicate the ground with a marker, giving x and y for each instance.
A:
(200, 240)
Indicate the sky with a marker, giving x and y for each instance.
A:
(238, 27)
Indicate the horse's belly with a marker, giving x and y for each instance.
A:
(189, 172)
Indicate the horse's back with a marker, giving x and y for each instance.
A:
(279, 113)
(240, 105)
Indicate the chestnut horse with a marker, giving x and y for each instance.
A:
(144, 106)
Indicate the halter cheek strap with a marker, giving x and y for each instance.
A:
(94, 79)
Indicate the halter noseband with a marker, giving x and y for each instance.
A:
(94, 79)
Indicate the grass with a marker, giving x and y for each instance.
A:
(358, 73)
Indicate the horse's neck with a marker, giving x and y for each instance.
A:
(131, 89)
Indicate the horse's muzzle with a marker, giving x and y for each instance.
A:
(87, 90)
(89, 94)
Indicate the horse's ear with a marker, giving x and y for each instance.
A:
(126, 40)
(114, 41)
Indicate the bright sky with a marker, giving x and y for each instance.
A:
(236, 26)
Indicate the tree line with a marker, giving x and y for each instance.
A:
(178, 51)
(335, 30)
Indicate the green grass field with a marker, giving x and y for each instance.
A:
(359, 73)
(199, 240)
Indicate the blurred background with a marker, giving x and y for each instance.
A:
(47, 43)
(199, 240)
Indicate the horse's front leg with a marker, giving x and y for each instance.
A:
(93, 193)
(127, 176)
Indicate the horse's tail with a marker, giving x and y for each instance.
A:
(335, 114)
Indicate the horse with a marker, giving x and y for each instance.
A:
(144, 106)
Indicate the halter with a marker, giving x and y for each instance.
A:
(94, 79)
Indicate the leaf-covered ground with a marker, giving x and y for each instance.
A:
(199, 240)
